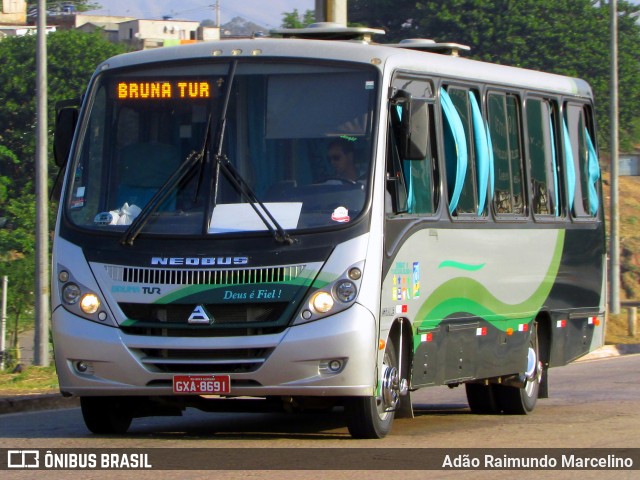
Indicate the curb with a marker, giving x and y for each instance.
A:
(30, 403)
(611, 351)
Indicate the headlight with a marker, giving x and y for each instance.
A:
(346, 291)
(322, 302)
(81, 300)
(71, 293)
(332, 297)
(90, 303)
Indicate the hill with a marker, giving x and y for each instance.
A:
(629, 211)
(239, 26)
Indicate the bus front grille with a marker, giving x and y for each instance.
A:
(237, 360)
(172, 320)
(203, 276)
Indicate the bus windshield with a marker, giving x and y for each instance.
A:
(297, 135)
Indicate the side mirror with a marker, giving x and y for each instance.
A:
(66, 120)
(413, 129)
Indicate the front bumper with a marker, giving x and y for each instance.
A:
(116, 365)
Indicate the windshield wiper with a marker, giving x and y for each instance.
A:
(237, 180)
(163, 192)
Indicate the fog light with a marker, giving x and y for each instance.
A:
(71, 293)
(322, 302)
(306, 314)
(63, 276)
(332, 366)
(89, 303)
(81, 366)
(335, 365)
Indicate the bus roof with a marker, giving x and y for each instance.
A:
(383, 56)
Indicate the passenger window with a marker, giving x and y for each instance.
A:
(541, 140)
(504, 130)
(582, 161)
(413, 181)
(467, 151)
(421, 179)
(468, 198)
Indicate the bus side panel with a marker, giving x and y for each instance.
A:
(474, 294)
(577, 300)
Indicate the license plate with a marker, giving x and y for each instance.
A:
(201, 384)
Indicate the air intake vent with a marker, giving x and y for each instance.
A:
(170, 276)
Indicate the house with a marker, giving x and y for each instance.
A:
(143, 34)
(13, 12)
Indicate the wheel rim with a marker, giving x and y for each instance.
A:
(389, 388)
(533, 373)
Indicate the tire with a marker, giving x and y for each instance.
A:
(106, 415)
(481, 398)
(372, 417)
(521, 401)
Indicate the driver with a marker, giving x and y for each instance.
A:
(341, 157)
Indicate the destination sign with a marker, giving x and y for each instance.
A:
(162, 90)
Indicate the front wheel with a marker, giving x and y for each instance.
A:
(106, 415)
(372, 417)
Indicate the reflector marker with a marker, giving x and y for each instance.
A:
(481, 332)
(561, 324)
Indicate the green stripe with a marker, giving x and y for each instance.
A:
(461, 266)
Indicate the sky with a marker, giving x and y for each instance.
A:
(266, 13)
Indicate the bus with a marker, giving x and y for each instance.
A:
(316, 222)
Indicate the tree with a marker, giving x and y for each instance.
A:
(568, 37)
(58, 6)
(295, 20)
(72, 58)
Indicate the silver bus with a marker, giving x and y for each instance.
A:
(318, 221)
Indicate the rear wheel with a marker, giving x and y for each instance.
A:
(520, 401)
(481, 398)
(106, 415)
(372, 417)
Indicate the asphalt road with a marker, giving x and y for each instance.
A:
(593, 404)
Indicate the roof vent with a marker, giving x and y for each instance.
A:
(427, 45)
(329, 31)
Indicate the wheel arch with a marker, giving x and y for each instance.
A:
(401, 334)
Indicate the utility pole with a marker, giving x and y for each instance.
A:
(614, 256)
(331, 11)
(3, 323)
(41, 347)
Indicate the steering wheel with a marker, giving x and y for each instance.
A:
(343, 180)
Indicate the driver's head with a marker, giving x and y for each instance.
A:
(341, 157)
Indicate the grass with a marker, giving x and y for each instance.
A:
(32, 379)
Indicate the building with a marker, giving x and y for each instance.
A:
(13, 12)
(20, 30)
(143, 34)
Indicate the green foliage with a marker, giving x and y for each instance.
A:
(568, 37)
(296, 20)
(72, 58)
(56, 5)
